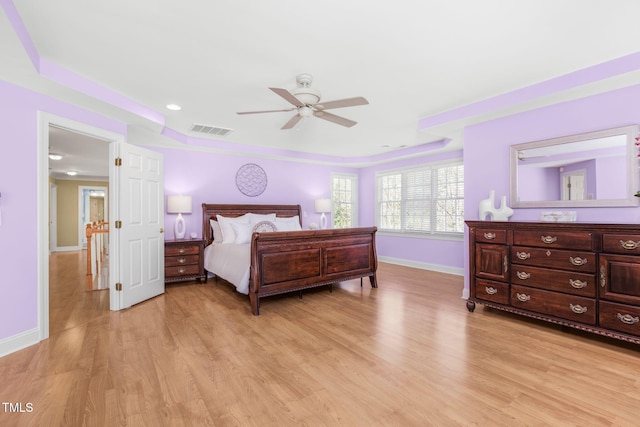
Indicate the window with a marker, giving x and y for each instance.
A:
(427, 199)
(344, 195)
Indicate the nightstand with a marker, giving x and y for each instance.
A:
(184, 260)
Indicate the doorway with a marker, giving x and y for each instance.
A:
(46, 122)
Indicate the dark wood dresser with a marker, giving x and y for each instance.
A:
(584, 276)
(184, 260)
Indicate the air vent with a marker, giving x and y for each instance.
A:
(210, 130)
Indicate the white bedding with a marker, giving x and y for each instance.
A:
(230, 262)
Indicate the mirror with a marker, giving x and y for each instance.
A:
(591, 169)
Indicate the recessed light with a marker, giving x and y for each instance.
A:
(55, 156)
(174, 107)
(72, 173)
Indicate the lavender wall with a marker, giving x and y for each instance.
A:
(210, 178)
(18, 202)
(446, 255)
(486, 148)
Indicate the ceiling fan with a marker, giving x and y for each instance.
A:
(306, 101)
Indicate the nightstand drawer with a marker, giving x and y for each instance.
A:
(172, 261)
(181, 250)
(184, 270)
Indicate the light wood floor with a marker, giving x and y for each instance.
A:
(406, 354)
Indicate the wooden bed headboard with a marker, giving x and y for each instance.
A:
(209, 211)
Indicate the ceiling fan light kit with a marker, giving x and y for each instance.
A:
(306, 101)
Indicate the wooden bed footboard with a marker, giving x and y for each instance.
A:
(288, 261)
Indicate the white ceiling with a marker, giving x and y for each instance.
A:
(410, 59)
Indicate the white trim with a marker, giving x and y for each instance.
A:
(42, 195)
(18, 342)
(423, 265)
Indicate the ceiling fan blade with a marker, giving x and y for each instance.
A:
(265, 111)
(288, 96)
(349, 102)
(335, 119)
(291, 123)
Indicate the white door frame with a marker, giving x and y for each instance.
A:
(44, 121)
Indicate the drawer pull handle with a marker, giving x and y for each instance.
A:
(181, 251)
(490, 290)
(578, 309)
(523, 255)
(603, 276)
(505, 264)
(628, 319)
(578, 284)
(523, 297)
(489, 236)
(182, 260)
(548, 239)
(182, 270)
(523, 275)
(629, 244)
(577, 260)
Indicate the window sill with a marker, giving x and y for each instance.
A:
(438, 236)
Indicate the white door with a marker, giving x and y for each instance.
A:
(139, 241)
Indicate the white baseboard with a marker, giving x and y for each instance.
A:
(18, 342)
(423, 265)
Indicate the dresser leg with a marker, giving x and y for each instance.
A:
(471, 306)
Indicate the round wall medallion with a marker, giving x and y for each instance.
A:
(264, 226)
(251, 180)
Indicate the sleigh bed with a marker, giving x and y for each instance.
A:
(284, 261)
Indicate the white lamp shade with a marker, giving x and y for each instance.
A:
(179, 204)
(323, 205)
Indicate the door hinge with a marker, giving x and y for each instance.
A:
(118, 286)
(118, 161)
(118, 224)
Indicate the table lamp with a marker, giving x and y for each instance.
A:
(323, 206)
(179, 205)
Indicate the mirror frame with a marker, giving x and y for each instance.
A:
(633, 179)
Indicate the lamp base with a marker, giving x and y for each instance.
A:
(180, 228)
(323, 221)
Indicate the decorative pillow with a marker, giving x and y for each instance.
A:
(288, 223)
(256, 218)
(243, 232)
(228, 234)
(217, 232)
(263, 226)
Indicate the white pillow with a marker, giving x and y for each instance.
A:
(288, 223)
(217, 232)
(228, 234)
(256, 218)
(243, 232)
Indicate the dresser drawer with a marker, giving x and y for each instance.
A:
(175, 250)
(491, 235)
(183, 270)
(561, 259)
(568, 282)
(578, 240)
(173, 261)
(492, 291)
(621, 243)
(570, 307)
(620, 317)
